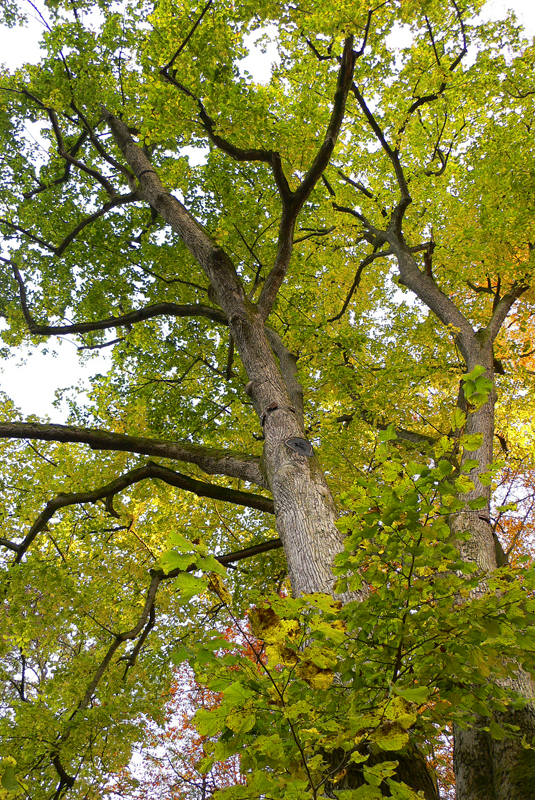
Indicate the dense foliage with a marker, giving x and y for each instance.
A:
(316, 292)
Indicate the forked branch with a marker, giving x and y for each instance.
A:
(303, 191)
(150, 471)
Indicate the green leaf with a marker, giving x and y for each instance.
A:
(416, 694)
(471, 442)
(474, 374)
(210, 564)
(240, 721)
(479, 502)
(469, 464)
(181, 655)
(180, 543)
(391, 737)
(458, 419)
(496, 731)
(9, 780)
(463, 484)
(173, 560)
(189, 586)
(445, 467)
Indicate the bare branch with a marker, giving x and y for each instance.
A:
(356, 282)
(430, 98)
(144, 625)
(198, 21)
(357, 185)
(66, 174)
(67, 155)
(31, 236)
(271, 157)
(392, 154)
(314, 234)
(120, 200)
(479, 289)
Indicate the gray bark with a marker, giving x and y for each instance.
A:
(304, 509)
(489, 769)
(485, 768)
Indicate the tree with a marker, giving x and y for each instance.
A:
(265, 332)
(172, 753)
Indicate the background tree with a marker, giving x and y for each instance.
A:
(276, 271)
(172, 753)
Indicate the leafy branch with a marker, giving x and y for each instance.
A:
(209, 459)
(150, 471)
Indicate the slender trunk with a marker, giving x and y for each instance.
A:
(487, 768)
(491, 769)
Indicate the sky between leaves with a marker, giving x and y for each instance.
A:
(33, 380)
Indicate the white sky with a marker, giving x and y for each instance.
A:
(32, 385)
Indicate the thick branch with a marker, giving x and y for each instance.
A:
(214, 261)
(209, 459)
(392, 154)
(288, 367)
(299, 197)
(249, 552)
(270, 157)
(429, 293)
(445, 309)
(345, 78)
(501, 310)
(363, 264)
(116, 202)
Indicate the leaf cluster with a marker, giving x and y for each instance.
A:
(319, 693)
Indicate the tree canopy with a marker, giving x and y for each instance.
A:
(316, 292)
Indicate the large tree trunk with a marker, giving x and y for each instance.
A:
(304, 509)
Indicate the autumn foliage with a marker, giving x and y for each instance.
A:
(170, 764)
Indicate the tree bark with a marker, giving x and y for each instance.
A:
(490, 769)
(485, 768)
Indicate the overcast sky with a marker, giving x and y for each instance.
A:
(33, 385)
